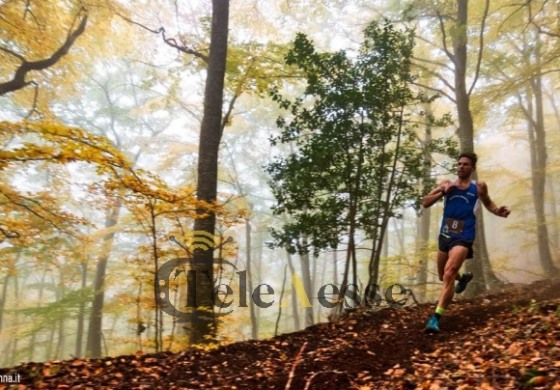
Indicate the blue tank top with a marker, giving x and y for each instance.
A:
(459, 213)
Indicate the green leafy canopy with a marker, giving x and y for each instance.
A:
(354, 153)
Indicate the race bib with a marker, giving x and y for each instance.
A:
(454, 225)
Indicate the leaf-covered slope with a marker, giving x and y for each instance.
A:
(508, 340)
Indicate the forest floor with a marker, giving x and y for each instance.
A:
(505, 340)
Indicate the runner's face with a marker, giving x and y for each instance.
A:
(464, 168)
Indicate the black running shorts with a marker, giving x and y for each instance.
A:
(445, 243)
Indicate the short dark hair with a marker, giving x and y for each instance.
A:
(471, 156)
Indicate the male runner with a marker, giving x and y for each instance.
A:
(457, 229)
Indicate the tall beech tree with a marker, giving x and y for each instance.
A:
(249, 70)
(524, 63)
(203, 323)
(451, 26)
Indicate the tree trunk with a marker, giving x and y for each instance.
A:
(534, 113)
(306, 276)
(254, 323)
(375, 258)
(297, 323)
(16, 320)
(553, 233)
(61, 342)
(39, 304)
(384, 211)
(490, 279)
(4, 299)
(335, 267)
(140, 326)
(480, 267)
(202, 321)
(256, 270)
(282, 292)
(538, 176)
(313, 281)
(61, 339)
(423, 225)
(555, 239)
(95, 329)
(81, 315)
(320, 309)
(8, 358)
(158, 323)
(386, 244)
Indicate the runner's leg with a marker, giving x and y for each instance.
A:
(441, 261)
(457, 256)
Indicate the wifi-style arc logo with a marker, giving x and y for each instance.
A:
(203, 240)
(170, 270)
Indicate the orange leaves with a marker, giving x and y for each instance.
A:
(94, 374)
(395, 372)
(510, 351)
(501, 349)
(515, 349)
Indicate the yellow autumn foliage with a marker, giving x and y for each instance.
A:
(33, 31)
(51, 142)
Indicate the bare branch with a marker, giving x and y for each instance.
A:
(12, 53)
(294, 365)
(435, 90)
(436, 75)
(169, 41)
(545, 32)
(8, 234)
(28, 11)
(238, 92)
(444, 38)
(519, 6)
(525, 111)
(18, 82)
(227, 115)
(437, 63)
(425, 40)
(480, 47)
(34, 207)
(35, 99)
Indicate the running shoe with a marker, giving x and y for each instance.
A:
(432, 326)
(463, 281)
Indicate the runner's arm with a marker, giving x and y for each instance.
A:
(436, 194)
(501, 211)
